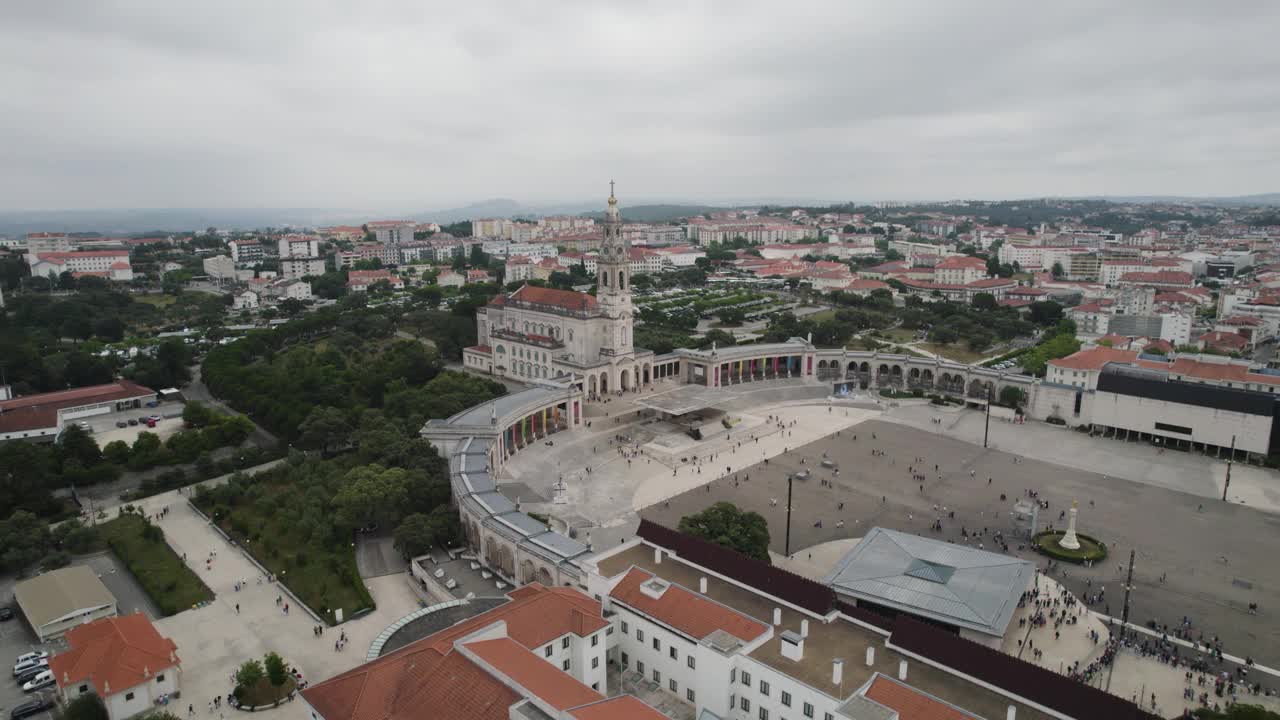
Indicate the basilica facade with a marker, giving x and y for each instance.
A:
(543, 334)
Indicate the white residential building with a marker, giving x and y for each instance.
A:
(392, 232)
(300, 267)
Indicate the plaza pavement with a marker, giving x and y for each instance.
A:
(214, 640)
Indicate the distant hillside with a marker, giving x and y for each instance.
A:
(657, 213)
(1234, 200)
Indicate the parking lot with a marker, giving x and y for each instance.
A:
(105, 430)
(15, 639)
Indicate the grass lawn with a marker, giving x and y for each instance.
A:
(821, 315)
(958, 352)
(324, 578)
(901, 335)
(170, 583)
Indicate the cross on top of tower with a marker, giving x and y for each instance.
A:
(612, 200)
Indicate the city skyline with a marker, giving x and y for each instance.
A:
(408, 107)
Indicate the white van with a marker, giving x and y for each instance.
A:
(39, 682)
(29, 663)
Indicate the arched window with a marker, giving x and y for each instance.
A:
(571, 336)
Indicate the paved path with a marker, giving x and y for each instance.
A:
(214, 640)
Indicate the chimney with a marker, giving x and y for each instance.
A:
(837, 671)
(871, 655)
(902, 670)
(657, 556)
(1011, 714)
(702, 585)
(804, 628)
(792, 646)
(777, 616)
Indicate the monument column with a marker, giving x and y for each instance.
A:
(1069, 539)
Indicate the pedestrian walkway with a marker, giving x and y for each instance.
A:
(246, 624)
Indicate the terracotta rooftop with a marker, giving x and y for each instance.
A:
(539, 677)
(113, 655)
(1094, 358)
(910, 703)
(429, 674)
(33, 412)
(685, 610)
(565, 299)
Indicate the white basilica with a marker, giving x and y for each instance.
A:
(538, 333)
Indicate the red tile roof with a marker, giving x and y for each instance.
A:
(1094, 358)
(911, 704)
(692, 614)
(113, 654)
(33, 412)
(537, 676)
(429, 674)
(621, 707)
(1159, 277)
(481, 349)
(993, 282)
(1224, 340)
(957, 262)
(566, 299)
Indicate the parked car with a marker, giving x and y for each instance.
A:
(39, 682)
(153, 403)
(25, 665)
(33, 655)
(133, 421)
(155, 418)
(30, 707)
(6, 613)
(29, 675)
(121, 423)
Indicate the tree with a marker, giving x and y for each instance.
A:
(731, 316)
(277, 673)
(117, 452)
(250, 674)
(370, 494)
(984, 301)
(324, 429)
(416, 534)
(86, 706)
(79, 445)
(1057, 270)
(1013, 397)
(724, 524)
(196, 414)
(24, 539)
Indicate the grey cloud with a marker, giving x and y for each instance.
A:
(396, 104)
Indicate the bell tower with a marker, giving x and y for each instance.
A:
(613, 282)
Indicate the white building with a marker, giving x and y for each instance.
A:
(300, 267)
(247, 300)
(392, 232)
(959, 270)
(489, 228)
(540, 333)
(108, 264)
(122, 660)
(246, 252)
(299, 246)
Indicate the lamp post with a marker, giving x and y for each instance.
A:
(986, 431)
(787, 546)
(1230, 460)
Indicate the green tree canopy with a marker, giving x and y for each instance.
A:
(87, 706)
(250, 674)
(724, 524)
(277, 673)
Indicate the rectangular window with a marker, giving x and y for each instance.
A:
(564, 644)
(808, 710)
(764, 688)
(688, 694)
(733, 675)
(639, 635)
(84, 689)
(595, 686)
(546, 651)
(786, 699)
(689, 660)
(608, 630)
(671, 650)
(764, 713)
(595, 663)
(672, 684)
(160, 677)
(640, 666)
(128, 696)
(1173, 428)
(624, 627)
(657, 676)
(595, 640)
(828, 716)
(746, 678)
(626, 660)
(745, 704)
(566, 664)
(657, 644)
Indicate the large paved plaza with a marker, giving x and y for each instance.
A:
(1174, 539)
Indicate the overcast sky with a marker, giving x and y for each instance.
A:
(394, 104)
